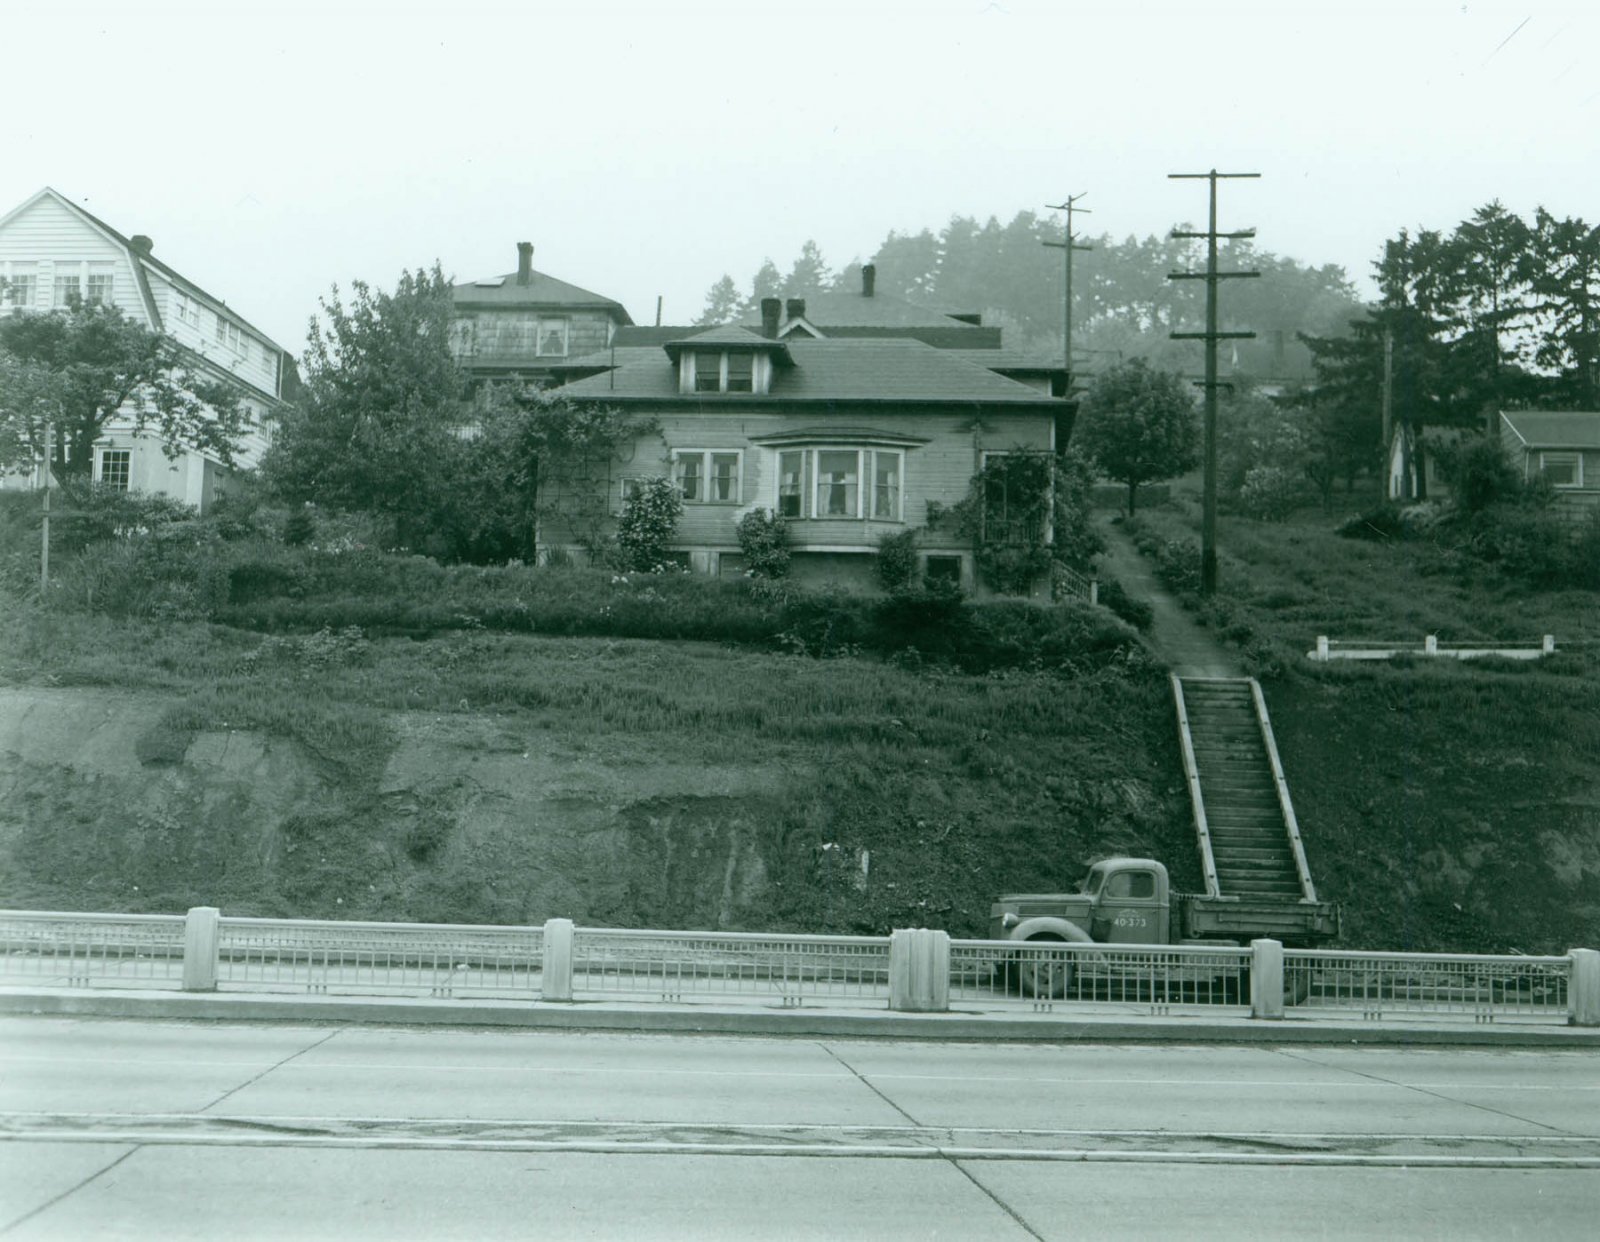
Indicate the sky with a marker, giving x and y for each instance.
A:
(273, 150)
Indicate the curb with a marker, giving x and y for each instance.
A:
(968, 1026)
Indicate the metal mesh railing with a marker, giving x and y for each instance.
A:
(91, 950)
(786, 970)
(385, 959)
(1328, 982)
(1153, 979)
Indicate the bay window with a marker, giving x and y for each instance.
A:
(841, 483)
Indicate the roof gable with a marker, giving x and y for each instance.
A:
(1567, 429)
(541, 292)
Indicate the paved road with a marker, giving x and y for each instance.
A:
(134, 1129)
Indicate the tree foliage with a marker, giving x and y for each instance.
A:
(1138, 425)
(80, 367)
(378, 426)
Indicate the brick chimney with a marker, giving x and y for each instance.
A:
(141, 243)
(771, 308)
(869, 280)
(797, 308)
(524, 262)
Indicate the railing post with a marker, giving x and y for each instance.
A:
(919, 970)
(1549, 644)
(557, 979)
(1322, 647)
(1430, 644)
(1583, 989)
(202, 932)
(1266, 979)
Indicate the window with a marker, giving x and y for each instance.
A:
(100, 286)
(627, 488)
(67, 285)
(229, 334)
(841, 483)
(791, 483)
(838, 483)
(724, 372)
(20, 286)
(944, 569)
(552, 338)
(706, 476)
(708, 372)
(1562, 469)
(1131, 884)
(188, 310)
(115, 465)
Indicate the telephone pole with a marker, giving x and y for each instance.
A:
(1208, 524)
(1067, 247)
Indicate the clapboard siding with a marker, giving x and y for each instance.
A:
(58, 241)
(257, 366)
(939, 470)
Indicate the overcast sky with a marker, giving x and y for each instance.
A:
(272, 149)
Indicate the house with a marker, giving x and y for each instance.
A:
(51, 250)
(1411, 471)
(848, 437)
(1563, 448)
(523, 325)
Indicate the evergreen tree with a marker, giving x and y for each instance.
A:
(722, 304)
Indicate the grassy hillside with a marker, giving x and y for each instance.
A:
(510, 745)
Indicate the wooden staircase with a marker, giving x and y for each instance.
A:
(1249, 840)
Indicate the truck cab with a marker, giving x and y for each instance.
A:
(1120, 901)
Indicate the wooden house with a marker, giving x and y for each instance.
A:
(523, 325)
(848, 437)
(1560, 446)
(52, 250)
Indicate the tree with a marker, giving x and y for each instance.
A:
(81, 367)
(722, 304)
(1566, 282)
(809, 274)
(1138, 425)
(379, 424)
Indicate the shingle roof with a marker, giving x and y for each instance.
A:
(854, 310)
(1008, 359)
(1576, 429)
(827, 370)
(541, 291)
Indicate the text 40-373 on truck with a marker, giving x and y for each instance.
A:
(1128, 901)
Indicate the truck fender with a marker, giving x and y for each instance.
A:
(1047, 925)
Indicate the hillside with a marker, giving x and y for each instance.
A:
(509, 777)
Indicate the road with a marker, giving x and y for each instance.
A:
(142, 1129)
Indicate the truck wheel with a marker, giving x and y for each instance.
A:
(1044, 979)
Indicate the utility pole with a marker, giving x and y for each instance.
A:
(1388, 412)
(1067, 247)
(1208, 527)
(44, 526)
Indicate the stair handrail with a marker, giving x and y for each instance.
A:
(1191, 773)
(1308, 891)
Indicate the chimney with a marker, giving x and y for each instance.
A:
(797, 308)
(141, 243)
(524, 262)
(771, 308)
(869, 280)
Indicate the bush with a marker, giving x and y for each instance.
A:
(1136, 612)
(1378, 525)
(1479, 472)
(1269, 493)
(648, 522)
(896, 564)
(764, 539)
(301, 528)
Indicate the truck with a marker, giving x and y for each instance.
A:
(1129, 902)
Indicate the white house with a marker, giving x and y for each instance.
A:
(51, 248)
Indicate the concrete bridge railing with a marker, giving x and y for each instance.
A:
(912, 970)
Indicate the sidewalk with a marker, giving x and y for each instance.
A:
(1174, 638)
(964, 1021)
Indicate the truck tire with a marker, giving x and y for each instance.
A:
(1044, 980)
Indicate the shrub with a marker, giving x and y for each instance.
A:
(896, 564)
(1269, 493)
(301, 528)
(1136, 612)
(1379, 524)
(648, 522)
(764, 539)
(1479, 472)
(1178, 564)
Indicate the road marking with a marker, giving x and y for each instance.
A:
(1225, 1084)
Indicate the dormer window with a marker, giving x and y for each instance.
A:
(719, 372)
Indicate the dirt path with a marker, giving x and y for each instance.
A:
(1173, 636)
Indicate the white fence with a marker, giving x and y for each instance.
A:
(912, 970)
(1377, 649)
